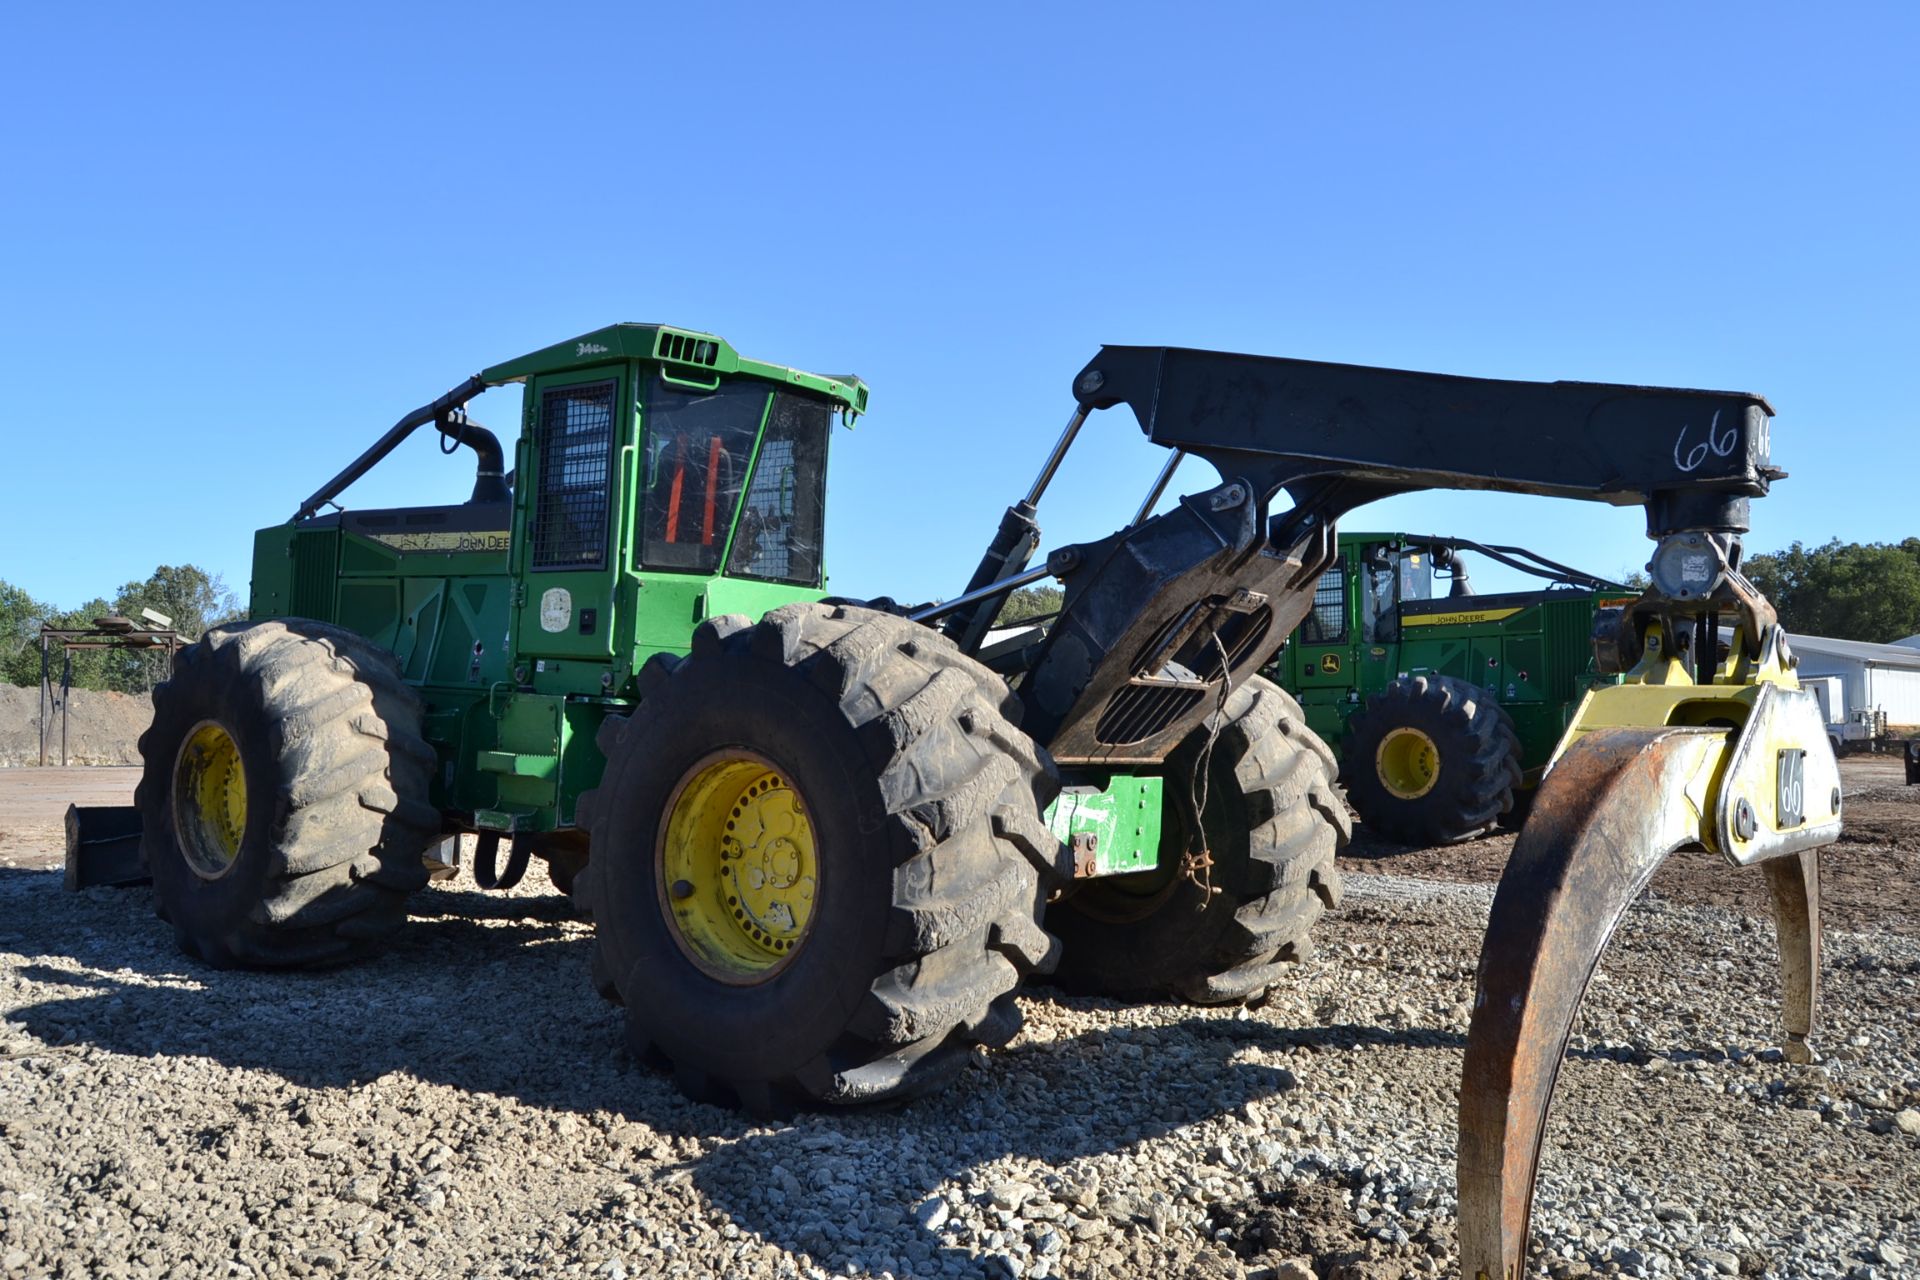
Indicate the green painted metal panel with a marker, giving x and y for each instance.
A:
(1120, 819)
(517, 766)
(270, 592)
(567, 607)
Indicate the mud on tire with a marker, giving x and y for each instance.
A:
(925, 803)
(336, 776)
(1273, 823)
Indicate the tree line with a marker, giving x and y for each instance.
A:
(192, 597)
(1847, 590)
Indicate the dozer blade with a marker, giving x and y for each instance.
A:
(1615, 804)
(103, 847)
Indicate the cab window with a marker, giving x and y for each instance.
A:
(699, 445)
(1327, 624)
(1392, 576)
(1416, 575)
(783, 519)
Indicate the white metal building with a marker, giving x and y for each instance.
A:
(1886, 676)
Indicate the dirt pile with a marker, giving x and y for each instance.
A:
(102, 728)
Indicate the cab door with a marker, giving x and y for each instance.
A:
(567, 514)
(1323, 649)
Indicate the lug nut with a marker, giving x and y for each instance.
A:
(682, 889)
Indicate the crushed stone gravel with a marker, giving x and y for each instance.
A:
(463, 1107)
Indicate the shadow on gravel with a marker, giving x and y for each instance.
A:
(490, 995)
(1102, 1092)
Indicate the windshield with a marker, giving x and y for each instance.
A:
(699, 446)
(699, 451)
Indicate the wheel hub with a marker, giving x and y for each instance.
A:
(209, 800)
(739, 873)
(1408, 763)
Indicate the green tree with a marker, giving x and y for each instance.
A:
(1028, 603)
(1847, 590)
(193, 598)
(189, 595)
(92, 668)
(20, 619)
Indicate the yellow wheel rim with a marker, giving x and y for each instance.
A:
(739, 871)
(209, 800)
(1408, 763)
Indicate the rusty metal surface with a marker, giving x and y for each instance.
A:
(1794, 885)
(1607, 815)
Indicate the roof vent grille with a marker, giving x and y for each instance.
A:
(684, 348)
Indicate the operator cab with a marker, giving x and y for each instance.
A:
(663, 478)
(1392, 573)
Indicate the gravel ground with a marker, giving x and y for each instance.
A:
(462, 1107)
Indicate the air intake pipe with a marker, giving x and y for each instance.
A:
(489, 484)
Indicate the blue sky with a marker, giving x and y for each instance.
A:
(235, 246)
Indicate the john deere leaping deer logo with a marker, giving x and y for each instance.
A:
(1329, 664)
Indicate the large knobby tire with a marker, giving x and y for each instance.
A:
(1430, 760)
(284, 805)
(918, 901)
(1273, 824)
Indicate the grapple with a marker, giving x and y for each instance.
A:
(1692, 748)
(1737, 764)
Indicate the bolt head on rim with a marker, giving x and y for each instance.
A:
(1407, 762)
(209, 800)
(737, 866)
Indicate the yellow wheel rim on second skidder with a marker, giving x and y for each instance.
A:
(739, 871)
(1408, 763)
(209, 800)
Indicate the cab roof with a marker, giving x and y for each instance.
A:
(689, 349)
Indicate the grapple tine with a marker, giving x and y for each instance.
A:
(1794, 883)
(1607, 815)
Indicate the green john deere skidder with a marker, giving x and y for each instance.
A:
(823, 841)
(1443, 709)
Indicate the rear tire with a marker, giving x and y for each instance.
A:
(1274, 825)
(313, 729)
(1431, 760)
(926, 856)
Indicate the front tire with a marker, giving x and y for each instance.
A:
(817, 860)
(1431, 760)
(283, 806)
(1274, 826)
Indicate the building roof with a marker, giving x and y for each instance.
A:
(1872, 655)
(1912, 641)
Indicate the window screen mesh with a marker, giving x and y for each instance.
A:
(1328, 621)
(781, 522)
(576, 457)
